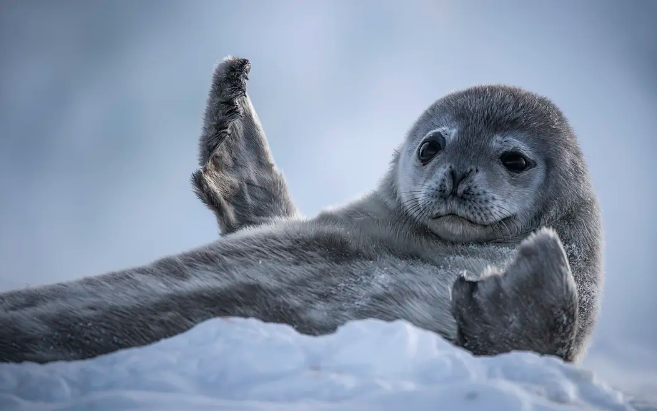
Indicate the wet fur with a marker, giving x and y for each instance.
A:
(370, 258)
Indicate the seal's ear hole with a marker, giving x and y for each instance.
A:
(430, 147)
(516, 162)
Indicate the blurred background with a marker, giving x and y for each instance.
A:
(101, 105)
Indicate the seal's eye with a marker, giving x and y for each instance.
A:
(515, 162)
(428, 150)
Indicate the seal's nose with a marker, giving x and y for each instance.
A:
(458, 177)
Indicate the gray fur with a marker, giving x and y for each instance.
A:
(392, 254)
(521, 309)
(236, 164)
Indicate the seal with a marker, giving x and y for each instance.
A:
(485, 230)
(213, 176)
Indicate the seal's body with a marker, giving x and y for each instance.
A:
(455, 239)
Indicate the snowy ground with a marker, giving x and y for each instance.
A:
(244, 364)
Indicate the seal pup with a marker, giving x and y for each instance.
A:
(454, 240)
(478, 337)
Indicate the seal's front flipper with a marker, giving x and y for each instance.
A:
(238, 179)
(531, 306)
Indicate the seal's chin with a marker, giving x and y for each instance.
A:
(454, 219)
(455, 228)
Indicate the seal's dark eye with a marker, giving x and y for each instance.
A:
(515, 162)
(428, 150)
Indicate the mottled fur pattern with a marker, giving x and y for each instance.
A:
(381, 256)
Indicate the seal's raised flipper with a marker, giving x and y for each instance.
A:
(238, 179)
(531, 306)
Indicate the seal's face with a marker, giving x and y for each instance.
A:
(474, 166)
(473, 186)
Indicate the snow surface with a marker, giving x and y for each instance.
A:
(244, 364)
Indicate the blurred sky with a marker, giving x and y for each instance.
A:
(101, 104)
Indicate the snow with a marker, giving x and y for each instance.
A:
(244, 364)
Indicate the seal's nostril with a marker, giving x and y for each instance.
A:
(452, 174)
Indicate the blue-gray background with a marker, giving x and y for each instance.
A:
(101, 103)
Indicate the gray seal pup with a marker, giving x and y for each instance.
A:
(485, 230)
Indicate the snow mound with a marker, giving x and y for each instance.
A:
(244, 364)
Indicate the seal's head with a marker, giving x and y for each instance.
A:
(489, 163)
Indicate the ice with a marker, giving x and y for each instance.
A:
(244, 364)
